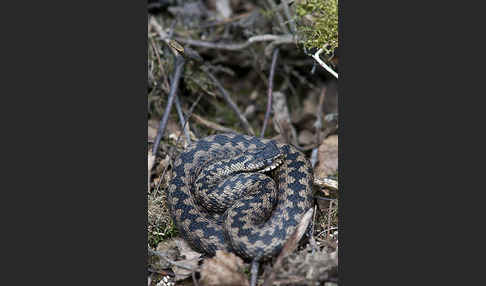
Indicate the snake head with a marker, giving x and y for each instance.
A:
(264, 159)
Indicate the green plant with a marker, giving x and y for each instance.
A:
(318, 24)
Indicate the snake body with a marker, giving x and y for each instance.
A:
(240, 194)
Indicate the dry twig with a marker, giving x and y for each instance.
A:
(162, 34)
(171, 150)
(212, 125)
(280, 39)
(179, 63)
(279, 16)
(231, 103)
(323, 64)
(285, 4)
(185, 127)
(270, 91)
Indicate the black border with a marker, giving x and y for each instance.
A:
(340, 150)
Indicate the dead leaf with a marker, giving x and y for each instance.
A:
(168, 248)
(306, 137)
(328, 158)
(152, 130)
(190, 260)
(310, 104)
(185, 250)
(224, 269)
(281, 118)
(173, 130)
(309, 267)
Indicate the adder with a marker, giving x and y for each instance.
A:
(240, 194)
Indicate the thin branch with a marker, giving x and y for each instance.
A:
(171, 29)
(179, 63)
(212, 125)
(227, 20)
(312, 240)
(327, 242)
(231, 103)
(238, 46)
(327, 230)
(279, 16)
(270, 91)
(323, 198)
(193, 274)
(285, 4)
(254, 272)
(314, 158)
(318, 124)
(283, 40)
(323, 64)
(329, 219)
(294, 280)
(159, 271)
(185, 127)
(172, 148)
(162, 34)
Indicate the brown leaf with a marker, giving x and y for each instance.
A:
(306, 137)
(173, 130)
(310, 104)
(308, 267)
(328, 158)
(152, 129)
(281, 118)
(224, 269)
(168, 248)
(190, 260)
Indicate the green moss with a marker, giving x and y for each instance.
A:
(157, 234)
(318, 24)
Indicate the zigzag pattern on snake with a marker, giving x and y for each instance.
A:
(240, 194)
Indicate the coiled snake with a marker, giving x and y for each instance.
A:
(240, 194)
